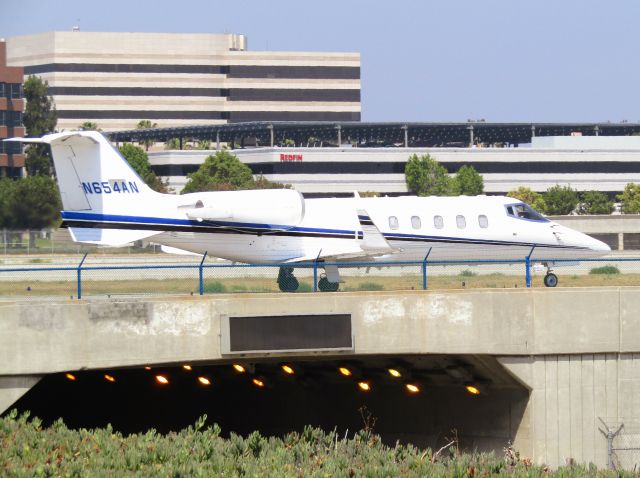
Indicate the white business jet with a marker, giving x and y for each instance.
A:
(106, 203)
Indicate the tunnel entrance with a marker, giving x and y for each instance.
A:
(424, 400)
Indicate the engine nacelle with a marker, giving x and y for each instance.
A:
(283, 207)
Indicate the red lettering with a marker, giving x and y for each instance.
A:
(290, 157)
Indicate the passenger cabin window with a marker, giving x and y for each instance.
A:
(416, 223)
(524, 211)
(393, 222)
(438, 222)
(483, 221)
(461, 222)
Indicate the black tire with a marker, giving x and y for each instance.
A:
(550, 280)
(325, 286)
(286, 280)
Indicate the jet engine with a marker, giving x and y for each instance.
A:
(263, 206)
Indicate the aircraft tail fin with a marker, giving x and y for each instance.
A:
(92, 174)
(98, 188)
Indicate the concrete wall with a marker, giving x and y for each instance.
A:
(576, 350)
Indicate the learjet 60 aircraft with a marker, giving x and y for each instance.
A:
(106, 203)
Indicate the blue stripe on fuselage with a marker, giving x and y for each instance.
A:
(348, 234)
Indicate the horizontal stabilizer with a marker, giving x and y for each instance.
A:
(108, 237)
(176, 251)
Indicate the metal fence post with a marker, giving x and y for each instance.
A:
(200, 273)
(79, 273)
(610, 434)
(527, 266)
(315, 275)
(424, 270)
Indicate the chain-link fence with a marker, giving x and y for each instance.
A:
(623, 442)
(56, 241)
(74, 275)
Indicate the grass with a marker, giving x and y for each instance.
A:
(67, 288)
(39, 260)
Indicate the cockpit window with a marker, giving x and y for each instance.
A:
(524, 211)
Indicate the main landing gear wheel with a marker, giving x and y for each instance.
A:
(325, 286)
(286, 280)
(550, 280)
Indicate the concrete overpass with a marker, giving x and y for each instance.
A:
(550, 362)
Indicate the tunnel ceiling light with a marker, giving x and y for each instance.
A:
(187, 367)
(472, 389)
(239, 368)
(204, 381)
(70, 376)
(162, 380)
(109, 378)
(147, 368)
(258, 382)
(288, 369)
(394, 372)
(345, 371)
(412, 387)
(364, 385)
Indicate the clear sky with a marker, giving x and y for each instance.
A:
(447, 60)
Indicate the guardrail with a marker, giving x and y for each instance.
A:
(202, 277)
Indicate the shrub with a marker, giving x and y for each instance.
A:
(214, 288)
(468, 273)
(304, 287)
(28, 449)
(370, 286)
(605, 270)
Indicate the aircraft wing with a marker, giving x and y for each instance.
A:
(373, 245)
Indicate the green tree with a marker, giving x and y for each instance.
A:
(172, 143)
(426, 177)
(468, 181)
(89, 126)
(560, 200)
(7, 199)
(139, 161)
(203, 144)
(146, 124)
(532, 198)
(36, 204)
(630, 199)
(39, 118)
(222, 171)
(260, 182)
(595, 202)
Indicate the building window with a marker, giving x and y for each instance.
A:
(483, 221)
(393, 222)
(416, 223)
(3, 119)
(15, 118)
(16, 91)
(461, 222)
(9, 147)
(3, 90)
(438, 222)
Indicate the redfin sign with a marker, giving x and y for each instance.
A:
(290, 157)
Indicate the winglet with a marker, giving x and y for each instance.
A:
(372, 239)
